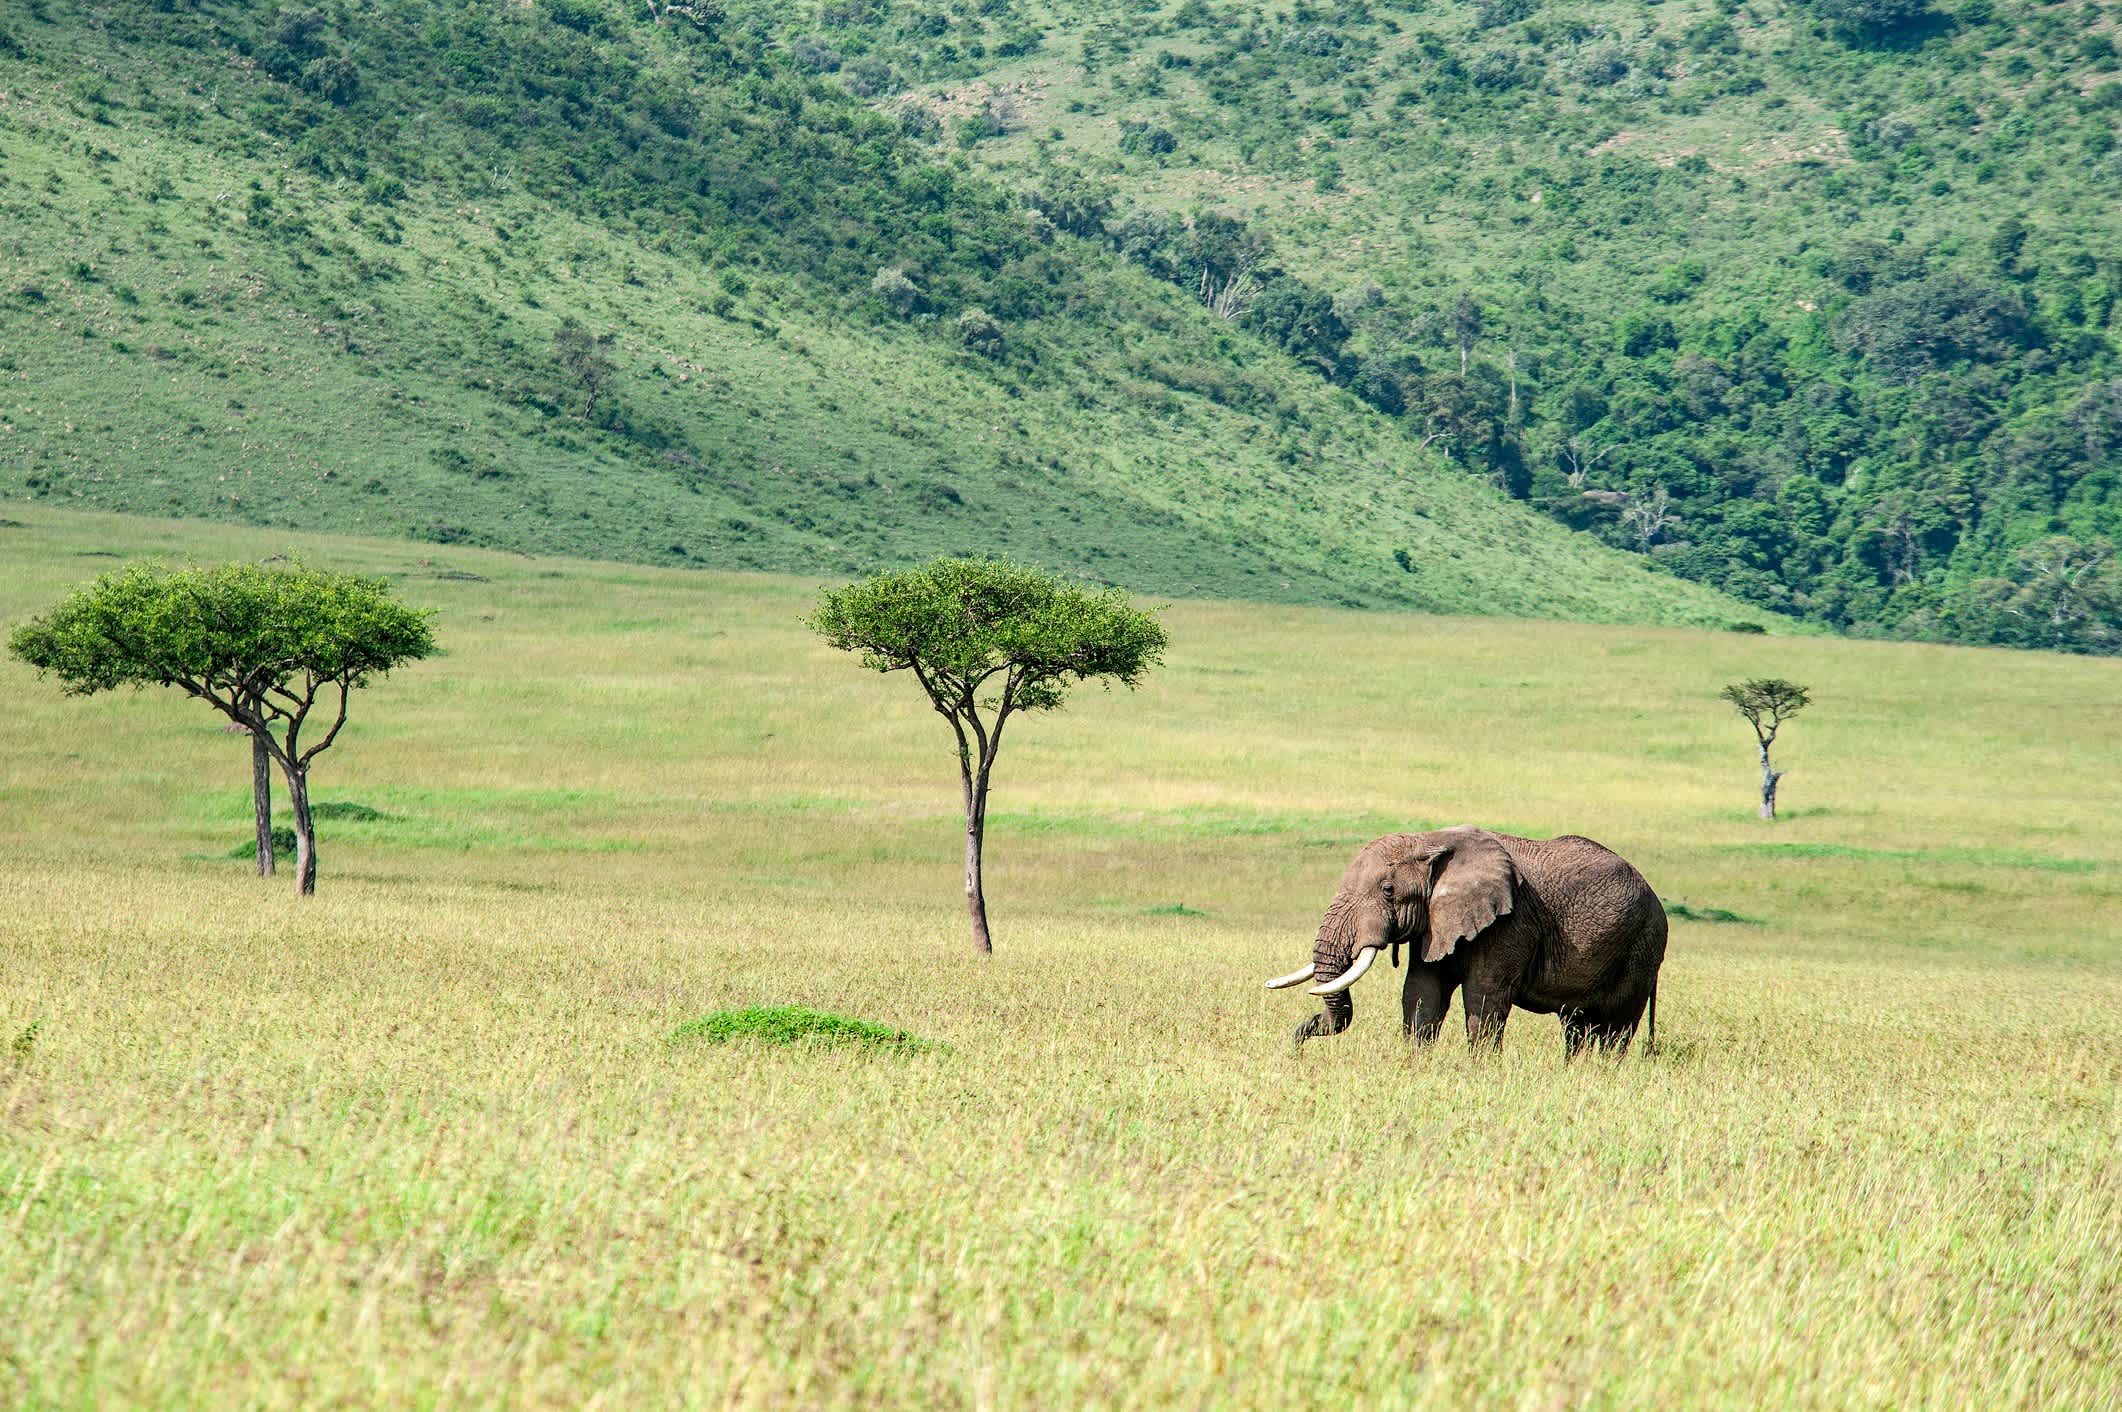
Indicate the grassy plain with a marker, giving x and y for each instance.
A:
(426, 1139)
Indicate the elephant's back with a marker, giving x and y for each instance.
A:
(1594, 896)
(1571, 858)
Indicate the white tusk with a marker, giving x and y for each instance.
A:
(1284, 982)
(1350, 976)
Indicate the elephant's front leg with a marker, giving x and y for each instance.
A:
(1486, 1013)
(1424, 1001)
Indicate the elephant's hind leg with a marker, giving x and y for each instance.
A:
(1608, 1030)
(1425, 999)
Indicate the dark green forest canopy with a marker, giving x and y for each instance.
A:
(1812, 303)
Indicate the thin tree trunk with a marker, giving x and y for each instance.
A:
(1768, 787)
(975, 835)
(262, 802)
(305, 832)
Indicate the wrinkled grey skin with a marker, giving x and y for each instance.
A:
(1559, 926)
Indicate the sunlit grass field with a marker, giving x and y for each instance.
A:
(426, 1138)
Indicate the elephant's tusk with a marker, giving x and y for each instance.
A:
(1349, 977)
(1284, 982)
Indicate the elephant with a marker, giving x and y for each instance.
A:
(1559, 926)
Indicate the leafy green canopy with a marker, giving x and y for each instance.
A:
(233, 634)
(1769, 699)
(958, 624)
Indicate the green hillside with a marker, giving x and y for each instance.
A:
(1814, 301)
(558, 279)
(1811, 304)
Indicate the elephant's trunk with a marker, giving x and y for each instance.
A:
(1365, 959)
(1339, 1014)
(1336, 951)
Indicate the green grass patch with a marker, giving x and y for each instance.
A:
(449, 820)
(346, 811)
(1205, 823)
(1978, 857)
(1176, 909)
(800, 1025)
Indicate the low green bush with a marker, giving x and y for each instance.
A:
(799, 1025)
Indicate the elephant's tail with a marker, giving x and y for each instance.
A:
(1652, 1045)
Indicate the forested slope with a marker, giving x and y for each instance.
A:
(1810, 300)
(1809, 303)
(559, 277)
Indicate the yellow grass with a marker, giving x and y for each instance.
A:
(423, 1139)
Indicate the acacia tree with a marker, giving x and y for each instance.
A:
(988, 639)
(262, 645)
(581, 356)
(1465, 324)
(1767, 702)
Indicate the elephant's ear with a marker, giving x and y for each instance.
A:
(1471, 883)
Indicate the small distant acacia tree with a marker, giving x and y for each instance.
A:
(898, 292)
(1646, 516)
(581, 356)
(1767, 702)
(988, 639)
(260, 644)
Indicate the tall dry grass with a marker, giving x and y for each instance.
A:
(424, 1140)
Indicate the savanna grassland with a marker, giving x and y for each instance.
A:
(425, 1138)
